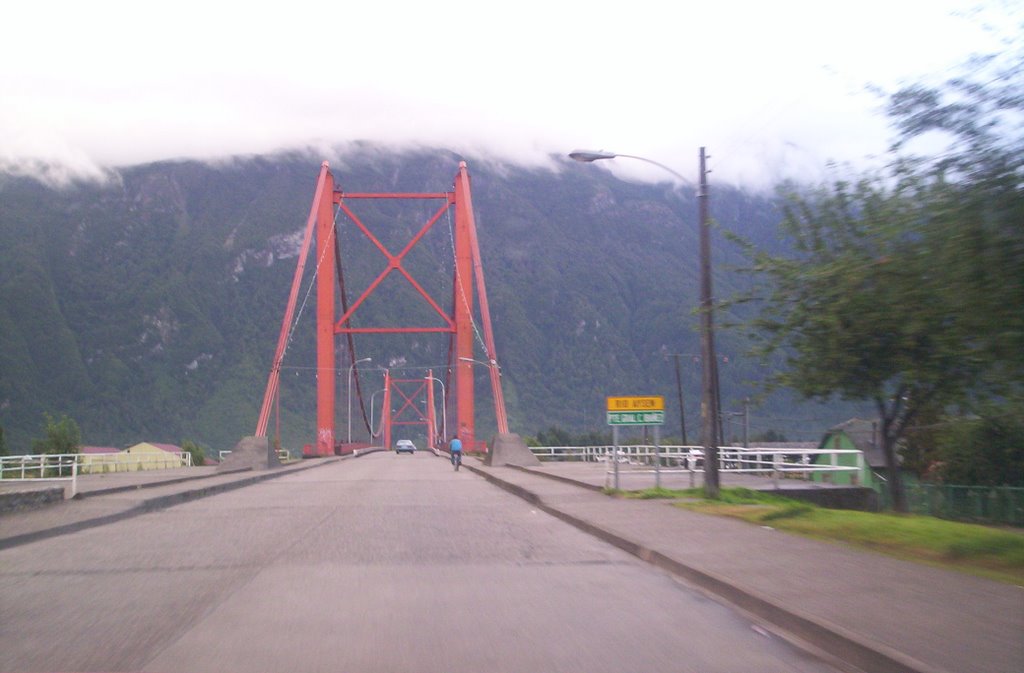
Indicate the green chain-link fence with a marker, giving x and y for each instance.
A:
(982, 504)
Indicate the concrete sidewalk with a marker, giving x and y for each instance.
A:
(112, 482)
(875, 612)
(107, 498)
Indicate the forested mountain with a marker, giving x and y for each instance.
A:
(148, 307)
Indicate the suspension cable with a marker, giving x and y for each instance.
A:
(309, 290)
(461, 288)
(348, 323)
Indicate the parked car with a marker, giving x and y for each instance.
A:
(405, 445)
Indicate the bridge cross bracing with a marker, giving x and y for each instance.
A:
(329, 203)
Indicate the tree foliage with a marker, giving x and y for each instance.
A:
(196, 451)
(770, 435)
(986, 451)
(906, 288)
(59, 436)
(557, 436)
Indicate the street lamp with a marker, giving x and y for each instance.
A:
(444, 408)
(589, 156)
(350, 368)
(709, 393)
(491, 363)
(372, 409)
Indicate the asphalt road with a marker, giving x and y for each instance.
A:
(383, 563)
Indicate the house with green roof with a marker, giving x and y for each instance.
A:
(855, 434)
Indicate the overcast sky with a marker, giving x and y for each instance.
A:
(773, 89)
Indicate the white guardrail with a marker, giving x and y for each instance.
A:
(40, 466)
(774, 462)
(68, 466)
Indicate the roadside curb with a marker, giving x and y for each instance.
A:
(847, 646)
(557, 477)
(152, 504)
(153, 484)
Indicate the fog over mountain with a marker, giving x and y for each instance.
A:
(774, 90)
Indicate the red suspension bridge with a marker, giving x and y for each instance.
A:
(330, 203)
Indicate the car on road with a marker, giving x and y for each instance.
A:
(405, 446)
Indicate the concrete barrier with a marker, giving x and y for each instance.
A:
(254, 453)
(508, 448)
(19, 501)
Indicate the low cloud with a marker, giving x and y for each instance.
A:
(773, 92)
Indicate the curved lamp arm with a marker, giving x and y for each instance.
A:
(590, 156)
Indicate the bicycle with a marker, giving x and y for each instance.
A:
(456, 459)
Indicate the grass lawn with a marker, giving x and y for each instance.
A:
(996, 553)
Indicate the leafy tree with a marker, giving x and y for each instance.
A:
(906, 288)
(557, 436)
(770, 435)
(554, 436)
(198, 455)
(59, 436)
(921, 441)
(986, 451)
(595, 438)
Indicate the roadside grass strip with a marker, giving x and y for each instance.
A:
(995, 553)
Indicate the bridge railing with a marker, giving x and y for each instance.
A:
(62, 465)
(774, 462)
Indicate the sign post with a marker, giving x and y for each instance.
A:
(615, 454)
(636, 410)
(657, 456)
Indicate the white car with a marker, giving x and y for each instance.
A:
(405, 445)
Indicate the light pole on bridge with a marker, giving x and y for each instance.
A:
(444, 408)
(373, 397)
(350, 368)
(492, 363)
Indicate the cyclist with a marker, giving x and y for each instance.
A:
(455, 447)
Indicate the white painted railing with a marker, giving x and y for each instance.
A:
(56, 468)
(60, 466)
(658, 460)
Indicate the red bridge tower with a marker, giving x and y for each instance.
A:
(459, 323)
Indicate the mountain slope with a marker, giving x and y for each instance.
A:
(148, 307)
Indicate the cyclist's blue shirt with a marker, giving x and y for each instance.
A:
(456, 445)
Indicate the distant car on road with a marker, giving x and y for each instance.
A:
(405, 445)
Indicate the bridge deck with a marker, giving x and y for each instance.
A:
(940, 620)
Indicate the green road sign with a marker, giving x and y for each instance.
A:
(636, 417)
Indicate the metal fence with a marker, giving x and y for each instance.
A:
(659, 460)
(980, 504)
(61, 466)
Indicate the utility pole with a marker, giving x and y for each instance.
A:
(718, 398)
(746, 422)
(679, 392)
(709, 389)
